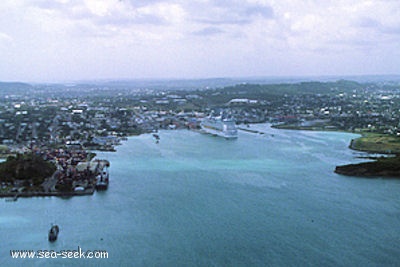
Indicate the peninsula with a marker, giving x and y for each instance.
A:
(388, 167)
(382, 167)
(52, 172)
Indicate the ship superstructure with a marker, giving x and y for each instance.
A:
(220, 125)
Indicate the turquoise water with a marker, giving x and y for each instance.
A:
(198, 200)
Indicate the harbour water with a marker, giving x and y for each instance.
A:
(267, 199)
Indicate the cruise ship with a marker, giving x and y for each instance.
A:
(220, 126)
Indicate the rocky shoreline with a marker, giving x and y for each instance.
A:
(383, 167)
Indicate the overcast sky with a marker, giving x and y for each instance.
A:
(68, 40)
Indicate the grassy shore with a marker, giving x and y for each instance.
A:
(377, 143)
(388, 167)
(368, 142)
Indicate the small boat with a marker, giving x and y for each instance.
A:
(53, 233)
(157, 137)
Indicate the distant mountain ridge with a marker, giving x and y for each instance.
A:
(312, 87)
(317, 84)
(14, 85)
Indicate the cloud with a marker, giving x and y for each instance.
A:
(258, 10)
(285, 34)
(229, 12)
(336, 25)
(48, 5)
(209, 31)
(113, 12)
(170, 13)
(366, 22)
(5, 38)
(108, 23)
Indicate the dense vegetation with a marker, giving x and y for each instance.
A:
(382, 167)
(26, 167)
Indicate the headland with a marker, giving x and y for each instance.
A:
(374, 143)
(69, 173)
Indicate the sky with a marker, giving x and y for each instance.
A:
(71, 40)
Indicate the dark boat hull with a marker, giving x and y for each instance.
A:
(53, 233)
(101, 187)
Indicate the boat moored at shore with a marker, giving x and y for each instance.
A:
(220, 126)
(102, 179)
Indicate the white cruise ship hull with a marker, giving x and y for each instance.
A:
(226, 129)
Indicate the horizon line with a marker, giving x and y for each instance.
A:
(165, 79)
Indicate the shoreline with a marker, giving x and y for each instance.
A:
(77, 180)
(46, 194)
(384, 167)
(354, 170)
(387, 168)
(368, 147)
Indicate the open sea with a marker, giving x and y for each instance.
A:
(268, 199)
